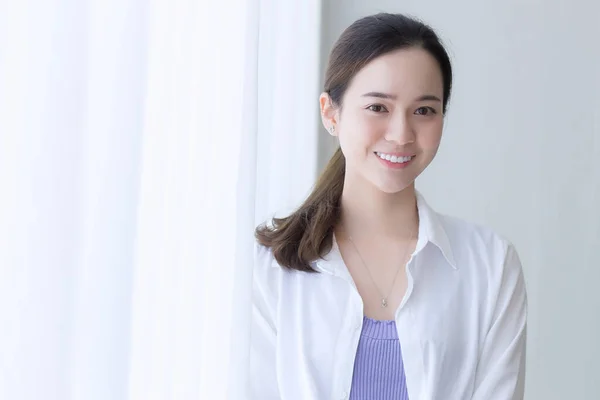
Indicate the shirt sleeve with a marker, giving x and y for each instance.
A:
(501, 368)
(263, 336)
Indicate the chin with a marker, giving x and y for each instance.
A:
(393, 188)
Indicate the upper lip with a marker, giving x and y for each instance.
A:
(391, 153)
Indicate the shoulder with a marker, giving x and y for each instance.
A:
(489, 260)
(480, 246)
(263, 255)
(469, 244)
(461, 230)
(267, 273)
(265, 265)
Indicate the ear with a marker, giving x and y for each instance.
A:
(329, 114)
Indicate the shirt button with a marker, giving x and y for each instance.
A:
(344, 395)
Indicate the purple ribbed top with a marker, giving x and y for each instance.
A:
(378, 368)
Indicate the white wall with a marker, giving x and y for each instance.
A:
(521, 153)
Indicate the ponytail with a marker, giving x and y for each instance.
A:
(307, 234)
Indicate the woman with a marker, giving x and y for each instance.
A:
(365, 292)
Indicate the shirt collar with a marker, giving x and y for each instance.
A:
(431, 230)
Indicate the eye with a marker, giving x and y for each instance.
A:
(377, 108)
(425, 111)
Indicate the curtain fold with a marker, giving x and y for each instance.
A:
(140, 144)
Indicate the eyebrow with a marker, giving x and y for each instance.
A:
(380, 95)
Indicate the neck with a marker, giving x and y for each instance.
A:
(369, 212)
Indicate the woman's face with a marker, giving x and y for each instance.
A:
(390, 124)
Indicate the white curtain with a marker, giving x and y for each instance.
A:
(140, 143)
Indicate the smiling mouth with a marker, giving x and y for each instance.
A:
(395, 159)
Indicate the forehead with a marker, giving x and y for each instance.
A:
(406, 72)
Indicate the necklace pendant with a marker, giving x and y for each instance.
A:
(384, 303)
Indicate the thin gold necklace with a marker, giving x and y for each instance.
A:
(384, 299)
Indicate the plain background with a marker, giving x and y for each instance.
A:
(521, 153)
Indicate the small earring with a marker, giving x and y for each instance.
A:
(332, 129)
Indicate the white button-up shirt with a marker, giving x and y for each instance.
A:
(461, 324)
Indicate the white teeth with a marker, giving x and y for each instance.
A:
(394, 159)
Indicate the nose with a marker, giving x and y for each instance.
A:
(400, 130)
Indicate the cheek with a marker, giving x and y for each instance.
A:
(430, 138)
(366, 131)
(360, 134)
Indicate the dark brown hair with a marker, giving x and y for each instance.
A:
(307, 234)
